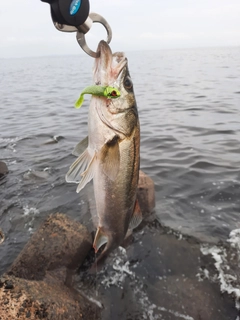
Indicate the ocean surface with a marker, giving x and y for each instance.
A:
(189, 109)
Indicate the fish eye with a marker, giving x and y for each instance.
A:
(127, 83)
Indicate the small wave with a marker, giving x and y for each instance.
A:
(192, 109)
(200, 97)
(10, 140)
(206, 165)
(35, 175)
(214, 132)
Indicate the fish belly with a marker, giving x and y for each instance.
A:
(115, 199)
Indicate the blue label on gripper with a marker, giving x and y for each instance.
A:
(74, 7)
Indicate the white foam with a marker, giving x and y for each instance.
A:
(29, 217)
(149, 309)
(175, 313)
(30, 229)
(121, 271)
(238, 305)
(91, 299)
(12, 162)
(11, 140)
(123, 251)
(122, 268)
(27, 211)
(203, 274)
(206, 273)
(234, 239)
(180, 236)
(219, 254)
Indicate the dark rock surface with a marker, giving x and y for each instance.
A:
(174, 269)
(59, 243)
(161, 275)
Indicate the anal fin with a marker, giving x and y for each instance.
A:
(136, 217)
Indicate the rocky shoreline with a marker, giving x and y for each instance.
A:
(40, 284)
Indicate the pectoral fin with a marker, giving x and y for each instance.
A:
(110, 158)
(88, 174)
(80, 147)
(78, 167)
(136, 217)
(99, 240)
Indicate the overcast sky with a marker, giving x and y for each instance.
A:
(26, 27)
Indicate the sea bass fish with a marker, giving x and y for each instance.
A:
(111, 158)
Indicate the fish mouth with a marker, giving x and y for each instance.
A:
(108, 66)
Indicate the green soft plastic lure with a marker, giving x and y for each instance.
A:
(108, 92)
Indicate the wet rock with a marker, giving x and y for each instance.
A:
(146, 194)
(58, 246)
(38, 284)
(3, 169)
(8, 284)
(164, 275)
(40, 300)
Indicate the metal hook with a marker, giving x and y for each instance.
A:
(85, 27)
(81, 34)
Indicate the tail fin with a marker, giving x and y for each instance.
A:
(102, 238)
(99, 261)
